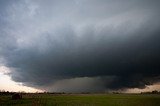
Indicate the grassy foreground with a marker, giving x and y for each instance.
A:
(83, 100)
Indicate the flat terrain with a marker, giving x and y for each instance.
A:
(83, 100)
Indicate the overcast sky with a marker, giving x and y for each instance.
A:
(81, 45)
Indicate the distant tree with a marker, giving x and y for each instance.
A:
(155, 92)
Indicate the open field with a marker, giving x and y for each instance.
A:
(83, 100)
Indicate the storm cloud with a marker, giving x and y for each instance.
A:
(81, 45)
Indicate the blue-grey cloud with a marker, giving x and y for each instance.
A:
(50, 42)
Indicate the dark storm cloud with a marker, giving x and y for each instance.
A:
(53, 44)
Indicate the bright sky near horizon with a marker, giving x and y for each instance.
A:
(7, 84)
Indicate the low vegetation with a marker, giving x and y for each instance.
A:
(47, 99)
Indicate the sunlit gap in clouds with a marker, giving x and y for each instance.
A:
(148, 88)
(7, 84)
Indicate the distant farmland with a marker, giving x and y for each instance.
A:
(82, 100)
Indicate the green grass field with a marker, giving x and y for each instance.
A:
(83, 100)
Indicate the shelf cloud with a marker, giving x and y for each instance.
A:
(81, 45)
